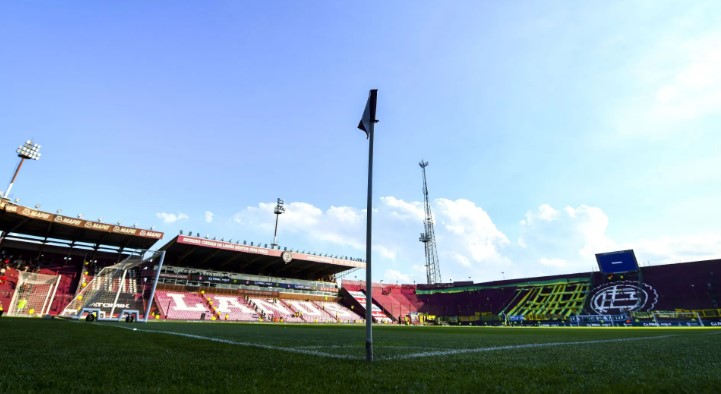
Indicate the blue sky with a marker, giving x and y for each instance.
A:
(554, 129)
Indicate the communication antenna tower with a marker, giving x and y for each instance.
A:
(428, 237)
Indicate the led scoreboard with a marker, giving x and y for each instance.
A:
(617, 262)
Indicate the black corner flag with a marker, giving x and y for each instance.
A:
(367, 124)
(369, 115)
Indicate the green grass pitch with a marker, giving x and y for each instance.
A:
(41, 355)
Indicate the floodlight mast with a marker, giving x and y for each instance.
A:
(428, 237)
(28, 150)
(278, 210)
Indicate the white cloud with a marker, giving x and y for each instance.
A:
(418, 268)
(592, 227)
(392, 275)
(297, 215)
(467, 238)
(339, 239)
(522, 243)
(347, 215)
(568, 242)
(208, 216)
(694, 90)
(387, 253)
(170, 218)
(559, 263)
(404, 210)
(547, 213)
(472, 237)
(666, 249)
(309, 225)
(673, 83)
(551, 240)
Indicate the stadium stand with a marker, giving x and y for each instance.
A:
(388, 297)
(182, 306)
(7, 286)
(310, 312)
(339, 312)
(693, 286)
(547, 301)
(231, 307)
(274, 309)
(408, 293)
(350, 285)
(453, 303)
(359, 302)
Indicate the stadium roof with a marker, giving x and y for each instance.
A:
(201, 253)
(44, 227)
(22, 246)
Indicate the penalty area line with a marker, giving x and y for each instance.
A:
(441, 353)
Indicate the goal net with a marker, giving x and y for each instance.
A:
(677, 318)
(34, 294)
(116, 291)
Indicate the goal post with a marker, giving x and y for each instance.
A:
(119, 290)
(677, 318)
(34, 294)
(161, 258)
(597, 320)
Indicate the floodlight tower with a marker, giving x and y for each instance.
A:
(26, 151)
(428, 237)
(278, 210)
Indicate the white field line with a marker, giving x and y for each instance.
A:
(249, 344)
(357, 347)
(452, 352)
(482, 349)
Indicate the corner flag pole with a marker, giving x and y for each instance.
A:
(367, 124)
(369, 284)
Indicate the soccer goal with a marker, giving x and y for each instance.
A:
(121, 291)
(677, 318)
(34, 294)
(598, 320)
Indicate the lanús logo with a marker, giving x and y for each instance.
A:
(624, 296)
